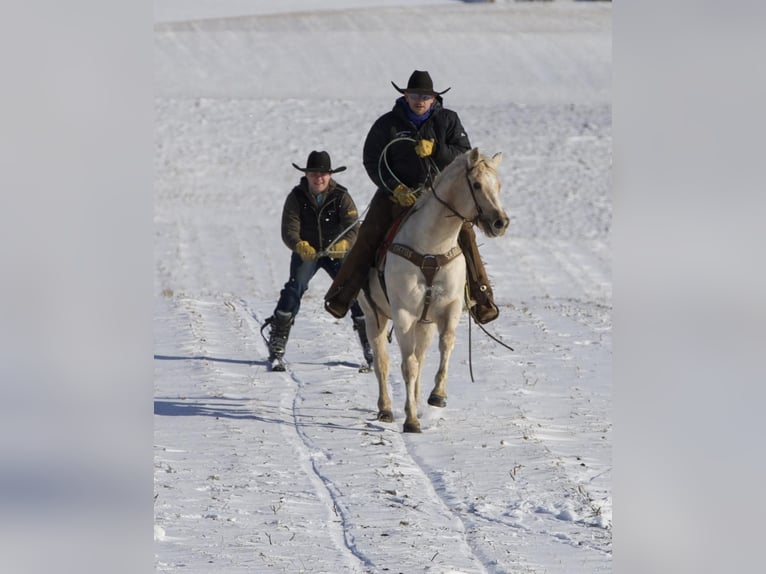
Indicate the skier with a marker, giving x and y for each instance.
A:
(319, 226)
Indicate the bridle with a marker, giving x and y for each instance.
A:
(472, 186)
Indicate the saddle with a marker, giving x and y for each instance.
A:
(428, 264)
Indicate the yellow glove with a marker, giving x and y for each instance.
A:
(424, 148)
(403, 195)
(305, 250)
(339, 249)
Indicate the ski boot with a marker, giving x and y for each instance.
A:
(280, 323)
(361, 329)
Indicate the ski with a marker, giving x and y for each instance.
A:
(277, 365)
(366, 368)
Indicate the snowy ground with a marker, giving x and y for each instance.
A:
(82, 129)
(269, 472)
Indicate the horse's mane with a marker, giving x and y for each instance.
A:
(447, 171)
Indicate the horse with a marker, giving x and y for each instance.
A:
(424, 277)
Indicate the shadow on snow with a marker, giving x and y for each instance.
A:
(217, 409)
(206, 358)
(202, 407)
(251, 363)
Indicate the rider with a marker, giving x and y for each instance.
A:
(400, 168)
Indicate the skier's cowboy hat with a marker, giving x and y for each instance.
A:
(419, 83)
(319, 161)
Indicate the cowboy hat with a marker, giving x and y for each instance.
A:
(319, 161)
(419, 83)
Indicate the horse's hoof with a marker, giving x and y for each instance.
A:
(386, 416)
(437, 401)
(411, 427)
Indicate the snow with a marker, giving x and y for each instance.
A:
(290, 472)
(91, 232)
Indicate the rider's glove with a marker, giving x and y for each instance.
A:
(305, 250)
(339, 250)
(403, 195)
(424, 148)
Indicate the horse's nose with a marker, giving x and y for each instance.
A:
(501, 223)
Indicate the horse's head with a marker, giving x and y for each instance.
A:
(481, 172)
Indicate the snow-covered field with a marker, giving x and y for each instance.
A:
(143, 169)
(270, 472)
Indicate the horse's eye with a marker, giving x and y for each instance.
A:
(477, 186)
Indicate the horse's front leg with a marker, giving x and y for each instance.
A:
(380, 365)
(385, 412)
(376, 332)
(424, 338)
(411, 375)
(438, 397)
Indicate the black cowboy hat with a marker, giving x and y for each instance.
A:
(420, 83)
(319, 161)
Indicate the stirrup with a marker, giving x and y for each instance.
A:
(336, 309)
(484, 313)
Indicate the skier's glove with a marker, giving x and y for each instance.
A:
(424, 148)
(305, 250)
(403, 195)
(339, 250)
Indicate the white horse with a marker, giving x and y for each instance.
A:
(425, 276)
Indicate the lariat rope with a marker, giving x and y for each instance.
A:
(383, 159)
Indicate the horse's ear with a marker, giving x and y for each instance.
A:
(473, 156)
(496, 159)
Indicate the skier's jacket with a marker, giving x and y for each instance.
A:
(304, 219)
(443, 126)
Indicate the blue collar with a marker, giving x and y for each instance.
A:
(412, 116)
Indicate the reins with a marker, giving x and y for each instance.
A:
(470, 345)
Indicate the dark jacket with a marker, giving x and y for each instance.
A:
(443, 126)
(304, 220)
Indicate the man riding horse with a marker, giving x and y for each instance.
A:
(404, 151)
